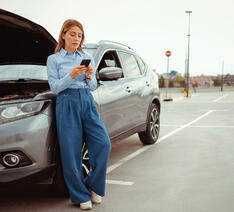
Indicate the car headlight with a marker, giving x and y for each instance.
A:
(13, 112)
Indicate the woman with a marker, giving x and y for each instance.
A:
(77, 115)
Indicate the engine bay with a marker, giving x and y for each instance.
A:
(21, 90)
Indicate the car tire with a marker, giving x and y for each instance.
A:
(59, 183)
(150, 136)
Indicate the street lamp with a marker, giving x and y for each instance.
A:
(187, 59)
(222, 76)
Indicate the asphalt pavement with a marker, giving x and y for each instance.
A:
(189, 169)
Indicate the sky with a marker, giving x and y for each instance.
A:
(150, 27)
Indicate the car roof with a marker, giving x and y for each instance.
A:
(106, 44)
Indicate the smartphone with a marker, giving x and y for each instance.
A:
(85, 62)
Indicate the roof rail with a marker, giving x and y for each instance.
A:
(113, 42)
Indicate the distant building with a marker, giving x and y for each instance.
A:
(202, 81)
(228, 79)
(199, 81)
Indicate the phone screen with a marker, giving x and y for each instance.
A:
(85, 62)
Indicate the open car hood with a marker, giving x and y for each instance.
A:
(23, 41)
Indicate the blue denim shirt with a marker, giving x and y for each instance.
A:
(59, 66)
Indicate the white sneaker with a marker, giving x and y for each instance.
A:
(96, 198)
(86, 205)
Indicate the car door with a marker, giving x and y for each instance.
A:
(139, 95)
(146, 88)
(113, 97)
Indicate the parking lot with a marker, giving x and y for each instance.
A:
(189, 169)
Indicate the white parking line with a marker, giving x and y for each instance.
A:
(127, 158)
(118, 182)
(144, 148)
(184, 126)
(216, 100)
(178, 99)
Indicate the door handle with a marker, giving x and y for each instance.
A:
(147, 83)
(128, 89)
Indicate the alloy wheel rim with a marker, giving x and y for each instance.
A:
(154, 124)
(85, 160)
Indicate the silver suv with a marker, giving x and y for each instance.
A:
(127, 98)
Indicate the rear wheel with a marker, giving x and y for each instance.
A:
(150, 136)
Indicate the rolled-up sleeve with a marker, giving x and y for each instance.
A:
(93, 82)
(56, 85)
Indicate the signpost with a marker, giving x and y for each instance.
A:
(168, 54)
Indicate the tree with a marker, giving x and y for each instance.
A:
(194, 84)
(180, 80)
(161, 82)
(171, 83)
(217, 81)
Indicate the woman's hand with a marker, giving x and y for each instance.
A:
(89, 72)
(78, 70)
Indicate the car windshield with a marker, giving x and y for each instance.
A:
(23, 71)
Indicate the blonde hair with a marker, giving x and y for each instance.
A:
(68, 24)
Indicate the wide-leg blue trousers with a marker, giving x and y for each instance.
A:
(76, 114)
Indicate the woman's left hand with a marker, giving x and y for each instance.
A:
(89, 72)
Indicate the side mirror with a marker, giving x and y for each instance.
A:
(110, 73)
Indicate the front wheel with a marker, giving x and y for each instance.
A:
(85, 160)
(150, 136)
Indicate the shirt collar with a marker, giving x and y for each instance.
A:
(63, 52)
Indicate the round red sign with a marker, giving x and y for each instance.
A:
(168, 53)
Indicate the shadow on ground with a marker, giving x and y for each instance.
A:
(29, 196)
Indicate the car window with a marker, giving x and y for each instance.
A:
(109, 59)
(22, 71)
(141, 65)
(129, 64)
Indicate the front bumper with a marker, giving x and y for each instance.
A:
(35, 137)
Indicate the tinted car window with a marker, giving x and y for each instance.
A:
(129, 64)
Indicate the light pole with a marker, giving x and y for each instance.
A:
(222, 76)
(187, 59)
